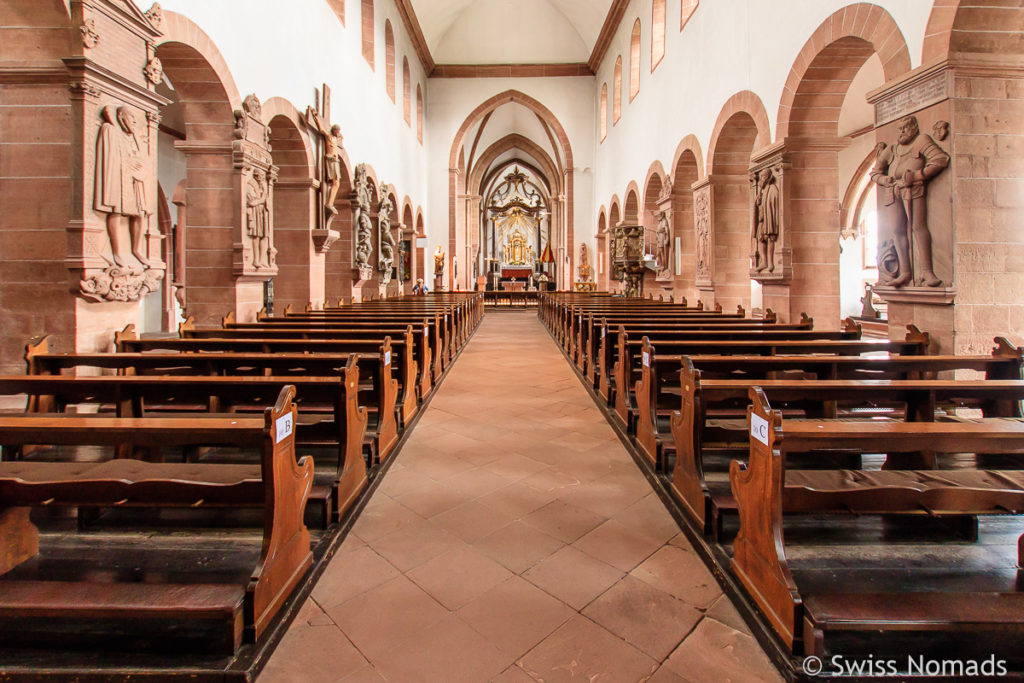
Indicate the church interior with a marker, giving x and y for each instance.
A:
(481, 340)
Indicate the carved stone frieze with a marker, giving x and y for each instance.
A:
(121, 284)
(155, 14)
(255, 254)
(90, 37)
(385, 240)
(154, 71)
(363, 201)
(702, 230)
(770, 250)
(902, 172)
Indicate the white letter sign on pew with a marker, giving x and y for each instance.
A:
(759, 428)
(283, 427)
(387, 358)
(647, 359)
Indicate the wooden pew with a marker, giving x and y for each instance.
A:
(374, 356)
(280, 484)
(847, 342)
(399, 350)
(915, 400)
(331, 418)
(428, 348)
(765, 489)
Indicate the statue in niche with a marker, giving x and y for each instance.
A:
(663, 245)
(702, 223)
(364, 226)
(902, 172)
(767, 219)
(332, 156)
(257, 218)
(386, 256)
(586, 272)
(120, 187)
(439, 261)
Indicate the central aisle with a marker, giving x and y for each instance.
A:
(514, 539)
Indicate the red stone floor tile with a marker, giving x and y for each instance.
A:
(513, 539)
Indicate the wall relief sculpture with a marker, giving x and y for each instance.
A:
(255, 255)
(90, 37)
(385, 240)
(155, 14)
(767, 220)
(702, 228)
(663, 247)
(154, 71)
(627, 262)
(363, 223)
(123, 167)
(902, 172)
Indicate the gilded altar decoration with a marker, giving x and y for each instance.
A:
(120, 192)
(363, 223)
(586, 273)
(439, 261)
(515, 209)
(902, 172)
(385, 240)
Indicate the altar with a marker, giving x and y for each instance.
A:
(518, 272)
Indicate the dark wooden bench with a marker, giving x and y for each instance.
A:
(332, 417)
(280, 483)
(765, 489)
(701, 427)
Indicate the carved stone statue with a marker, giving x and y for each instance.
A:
(439, 261)
(363, 224)
(386, 248)
(902, 172)
(120, 188)
(767, 226)
(663, 245)
(586, 272)
(702, 225)
(331, 156)
(257, 219)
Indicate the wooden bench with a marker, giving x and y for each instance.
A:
(280, 484)
(765, 489)
(695, 434)
(332, 416)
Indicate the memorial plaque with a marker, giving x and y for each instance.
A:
(912, 99)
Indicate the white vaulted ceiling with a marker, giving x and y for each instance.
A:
(510, 31)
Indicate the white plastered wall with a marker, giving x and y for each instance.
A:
(286, 49)
(727, 46)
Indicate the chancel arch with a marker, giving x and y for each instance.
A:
(545, 132)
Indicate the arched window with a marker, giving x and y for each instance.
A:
(686, 10)
(617, 95)
(657, 33)
(634, 61)
(419, 114)
(367, 20)
(604, 111)
(406, 92)
(339, 9)
(389, 59)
